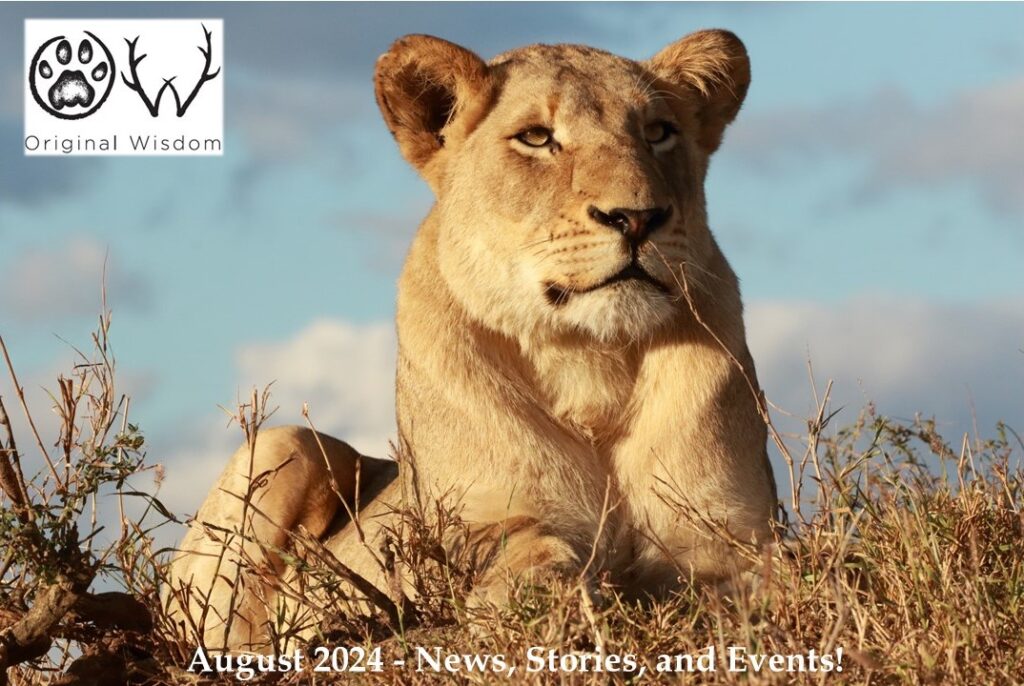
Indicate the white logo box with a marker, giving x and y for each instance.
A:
(78, 108)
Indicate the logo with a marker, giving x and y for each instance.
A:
(153, 106)
(124, 87)
(79, 89)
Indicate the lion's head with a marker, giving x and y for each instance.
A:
(569, 181)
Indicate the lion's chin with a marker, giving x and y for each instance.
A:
(622, 311)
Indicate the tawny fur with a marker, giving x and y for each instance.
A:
(534, 411)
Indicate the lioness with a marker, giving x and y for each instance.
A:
(572, 368)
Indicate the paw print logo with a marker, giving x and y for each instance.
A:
(72, 82)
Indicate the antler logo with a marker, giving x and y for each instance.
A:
(153, 105)
(71, 83)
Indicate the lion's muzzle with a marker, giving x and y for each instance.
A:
(635, 225)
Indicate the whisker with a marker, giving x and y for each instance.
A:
(641, 87)
(682, 281)
(547, 239)
(704, 271)
(664, 95)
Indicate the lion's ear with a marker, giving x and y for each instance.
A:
(713, 66)
(423, 83)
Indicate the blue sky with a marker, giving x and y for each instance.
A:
(870, 196)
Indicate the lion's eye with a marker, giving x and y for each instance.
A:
(659, 132)
(535, 137)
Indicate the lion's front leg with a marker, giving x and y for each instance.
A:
(529, 495)
(222, 580)
(695, 469)
(516, 551)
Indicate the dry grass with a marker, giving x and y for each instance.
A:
(902, 553)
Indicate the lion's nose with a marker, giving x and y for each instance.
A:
(635, 225)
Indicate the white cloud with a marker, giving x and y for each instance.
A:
(972, 137)
(47, 283)
(344, 372)
(906, 356)
(975, 137)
